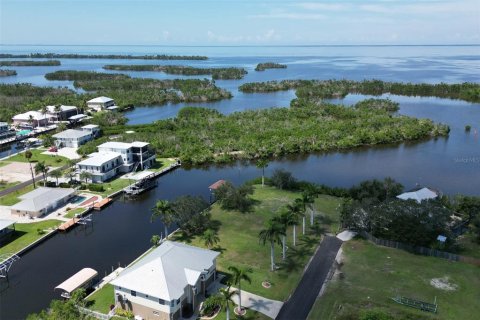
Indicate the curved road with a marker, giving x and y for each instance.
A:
(299, 305)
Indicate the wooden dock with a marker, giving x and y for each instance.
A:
(67, 225)
(99, 205)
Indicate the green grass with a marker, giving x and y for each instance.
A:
(327, 210)
(162, 163)
(250, 315)
(114, 186)
(102, 299)
(37, 156)
(26, 233)
(240, 246)
(469, 247)
(7, 185)
(73, 212)
(372, 275)
(12, 198)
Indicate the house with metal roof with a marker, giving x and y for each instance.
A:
(101, 103)
(165, 281)
(42, 201)
(72, 138)
(419, 195)
(102, 166)
(32, 118)
(61, 112)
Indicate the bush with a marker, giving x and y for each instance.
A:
(96, 187)
(232, 198)
(64, 185)
(283, 179)
(82, 187)
(124, 313)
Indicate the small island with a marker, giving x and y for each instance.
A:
(217, 73)
(100, 56)
(29, 63)
(270, 65)
(7, 73)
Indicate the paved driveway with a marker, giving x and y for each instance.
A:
(299, 305)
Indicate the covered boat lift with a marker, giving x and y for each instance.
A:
(82, 279)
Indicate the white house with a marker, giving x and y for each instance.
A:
(102, 166)
(135, 153)
(166, 280)
(62, 112)
(31, 118)
(93, 129)
(42, 201)
(100, 103)
(72, 138)
(419, 195)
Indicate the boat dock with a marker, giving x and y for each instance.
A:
(149, 181)
(67, 225)
(99, 205)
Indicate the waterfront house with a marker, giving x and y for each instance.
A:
(93, 129)
(72, 138)
(61, 113)
(101, 103)
(166, 281)
(31, 118)
(5, 132)
(102, 166)
(419, 195)
(42, 201)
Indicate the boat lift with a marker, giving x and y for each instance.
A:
(7, 261)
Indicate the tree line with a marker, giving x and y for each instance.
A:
(217, 73)
(27, 63)
(102, 56)
(7, 73)
(269, 65)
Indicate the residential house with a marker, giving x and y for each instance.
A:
(5, 132)
(101, 103)
(102, 166)
(72, 138)
(170, 278)
(93, 129)
(61, 113)
(419, 195)
(31, 119)
(42, 201)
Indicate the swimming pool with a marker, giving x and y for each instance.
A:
(78, 199)
(23, 132)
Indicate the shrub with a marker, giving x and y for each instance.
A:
(232, 198)
(82, 187)
(283, 179)
(124, 313)
(64, 185)
(96, 187)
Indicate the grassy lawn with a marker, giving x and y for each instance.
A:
(240, 246)
(7, 185)
(102, 299)
(114, 186)
(73, 212)
(162, 163)
(469, 247)
(26, 233)
(327, 210)
(50, 160)
(372, 275)
(12, 198)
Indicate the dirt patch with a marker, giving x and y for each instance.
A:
(443, 284)
(15, 172)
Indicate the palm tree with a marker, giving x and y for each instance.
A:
(29, 155)
(295, 210)
(163, 210)
(262, 164)
(240, 274)
(57, 109)
(305, 201)
(155, 240)
(286, 219)
(226, 294)
(44, 111)
(312, 191)
(210, 238)
(31, 120)
(56, 174)
(40, 167)
(85, 175)
(272, 234)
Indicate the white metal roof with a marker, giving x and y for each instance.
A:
(101, 99)
(71, 134)
(62, 108)
(77, 280)
(99, 158)
(26, 116)
(90, 126)
(166, 271)
(5, 223)
(77, 117)
(419, 195)
(139, 144)
(115, 145)
(41, 198)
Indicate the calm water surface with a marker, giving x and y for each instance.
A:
(122, 231)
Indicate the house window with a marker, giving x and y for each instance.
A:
(133, 293)
(161, 301)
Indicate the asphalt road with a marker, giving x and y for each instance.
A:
(299, 305)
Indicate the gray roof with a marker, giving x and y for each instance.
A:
(167, 270)
(41, 198)
(5, 223)
(98, 158)
(419, 195)
(90, 126)
(71, 134)
(101, 99)
(62, 108)
(115, 145)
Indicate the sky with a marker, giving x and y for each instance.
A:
(239, 22)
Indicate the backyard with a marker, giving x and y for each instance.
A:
(27, 233)
(371, 275)
(12, 198)
(37, 156)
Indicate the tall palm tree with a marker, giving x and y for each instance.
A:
(29, 155)
(272, 233)
(40, 167)
(85, 175)
(312, 191)
(31, 121)
(222, 299)
(210, 238)
(44, 111)
(163, 210)
(56, 174)
(295, 210)
(286, 219)
(240, 274)
(262, 164)
(306, 201)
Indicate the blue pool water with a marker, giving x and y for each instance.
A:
(78, 199)
(23, 132)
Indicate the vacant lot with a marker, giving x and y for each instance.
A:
(372, 275)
